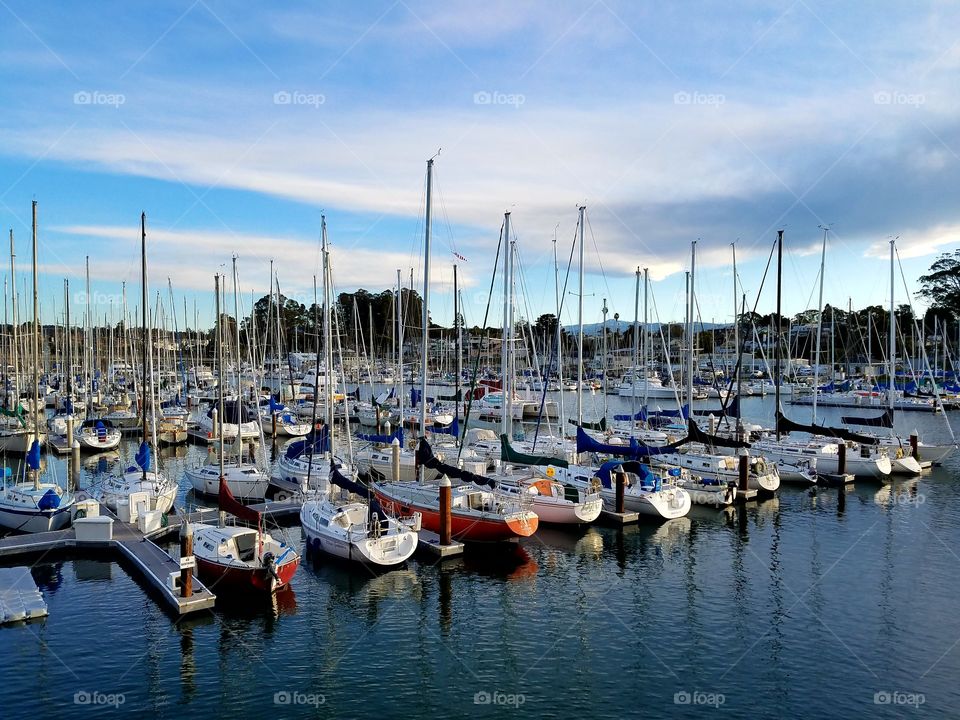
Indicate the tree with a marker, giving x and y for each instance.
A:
(941, 286)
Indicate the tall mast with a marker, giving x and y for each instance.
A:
(219, 341)
(736, 317)
(35, 400)
(327, 334)
(604, 353)
(457, 340)
(15, 341)
(146, 328)
(636, 351)
(556, 291)
(816, 361)
(777, 350)
(892, 362)
(580, 328)
(399, 313)
(693, 269)
(69, 345)
(647, 349)
(507, 405)
(425, 346)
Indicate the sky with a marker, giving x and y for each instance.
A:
(235, 126)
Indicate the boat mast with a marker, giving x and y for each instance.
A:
(636, 351)
(219, 342)
(647, 350)
(327, 334)
(777, 348)
(506, 408)
(556, 291)
(604, 353)
(146, 330)
(425, 345)
(693, 267)
(34, 396)
(69, 347)
(736, 322)
(891, 388)
(580, 327)
(457, 340)
(816, 362)
(399, 314)
(15, 341)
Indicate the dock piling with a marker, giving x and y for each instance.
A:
(187, 560)
(915, 445)
(445, 524)
(744, 470)
(621, 478)
(395, 458)
(842, 458)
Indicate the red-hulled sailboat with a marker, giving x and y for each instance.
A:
(242, 557)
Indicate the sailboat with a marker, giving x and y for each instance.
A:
(340, 526)
(31, 505)
(244, 479)
(160, 489)
(477, 513)
(239, 557)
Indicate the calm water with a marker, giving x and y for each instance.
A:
(803, 605)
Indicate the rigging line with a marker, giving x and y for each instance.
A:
(476, 362)
(923, 349)
(666, 352)
(533, 344)
(603, 272)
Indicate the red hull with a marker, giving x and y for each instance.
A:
(466, 528)
(216, 576)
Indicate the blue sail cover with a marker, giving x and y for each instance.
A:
(315, 442)
(426, 458)
(452, 429)
(647, 478)
(585, 443)
(49, 501)
(387, 439)
(143, 457)
(68, 406)
(33, 456)
(275, 404)
(414, 397)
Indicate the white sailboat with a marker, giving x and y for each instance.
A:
(160, 489)
(336, 521)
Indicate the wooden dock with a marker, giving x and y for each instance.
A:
(150, 562)
(59, 445)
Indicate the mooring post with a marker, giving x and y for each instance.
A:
(395, 459)
(842, 458)
(915, 445)
(273, 427)
(70, 429)
(744, 470)
(186, 551)
(445, 495)
(621, 478)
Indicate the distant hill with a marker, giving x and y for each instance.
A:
(591, 329)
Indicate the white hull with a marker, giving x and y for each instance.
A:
(342, 531)
(160, 490)
(245, 481)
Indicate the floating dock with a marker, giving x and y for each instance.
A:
(428, 541)
(150, 562)
(20, 598)
(609, 517)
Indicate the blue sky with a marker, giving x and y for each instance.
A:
(234, 126)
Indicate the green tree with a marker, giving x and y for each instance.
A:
(941, 285)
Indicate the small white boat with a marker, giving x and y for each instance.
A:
(96, 435)
(350, 530)
(647, 491)
(161, 491)
(245, 480)
(32, 506)
(554, 502)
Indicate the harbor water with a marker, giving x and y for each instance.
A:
(816, 603)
